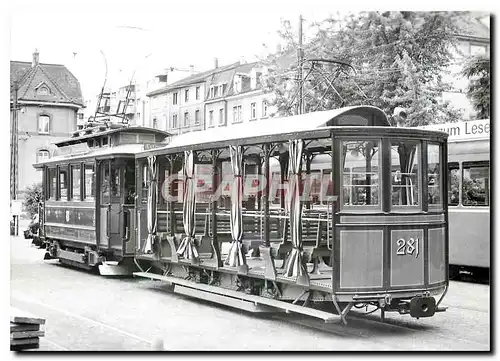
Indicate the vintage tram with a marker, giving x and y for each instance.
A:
(469, 195)
(210, 222)
(87, 214)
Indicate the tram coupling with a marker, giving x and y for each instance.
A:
(419, 306)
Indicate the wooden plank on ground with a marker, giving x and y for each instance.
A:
(24, 347)
(25, 341)
(18, 316)
(26, 334)
(15, 327)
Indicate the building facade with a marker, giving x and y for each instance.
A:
(49, 101)
(180, 107)
(235, 97)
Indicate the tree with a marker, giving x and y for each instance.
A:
(398, 57)
(477, 70)
(33, 197)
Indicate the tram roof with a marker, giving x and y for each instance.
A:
(101, 129)
(93, 153)
(347, 116)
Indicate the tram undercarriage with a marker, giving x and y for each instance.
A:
(106, 263)
(253, 292)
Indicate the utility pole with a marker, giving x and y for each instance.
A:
(14, 147)
(300, 60)
(14, 160)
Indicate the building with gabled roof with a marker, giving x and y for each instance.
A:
(49, 100)
(236, 97)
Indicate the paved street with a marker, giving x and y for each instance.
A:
(86, 312)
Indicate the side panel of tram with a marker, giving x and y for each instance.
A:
(380, 238)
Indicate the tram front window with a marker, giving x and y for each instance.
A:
(105, 183)
(434, 175)
(405, 158)
(360, 181)
(115, 182)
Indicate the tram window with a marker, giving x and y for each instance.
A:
(434, 175)
(311, 189)
(105, 183)
(63, 184)
(89, 188)
(115, 182)
(360, 173)
(130, 182)
(475, 184)
(75, 179)
(203, 183)
(52, 186)
(454, 188)
(327, 185)
(405, 157)
(276, 188)
(145, 182)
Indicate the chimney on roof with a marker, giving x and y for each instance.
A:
(36, 58)
(278, 48)
(216, 63)
(191, 67)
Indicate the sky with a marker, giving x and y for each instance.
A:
(142, 38)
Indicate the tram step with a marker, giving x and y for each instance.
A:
(257, 300)
(224, 300)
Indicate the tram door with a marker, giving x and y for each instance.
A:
(112, 197)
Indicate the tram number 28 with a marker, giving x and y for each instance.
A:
(407, 247)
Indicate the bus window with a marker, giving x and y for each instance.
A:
(434, 175)
(89, 188)
(405, 158)
(75, 179)
(63, 183)
(475, 184)
(52, 186)
(454, 187)
(360, 181)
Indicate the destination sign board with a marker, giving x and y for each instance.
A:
(471, 129)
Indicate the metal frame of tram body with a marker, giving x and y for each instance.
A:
(359, 219)
(89, 244)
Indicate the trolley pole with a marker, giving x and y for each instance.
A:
(300, 60)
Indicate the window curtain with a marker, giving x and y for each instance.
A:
(407, 154)
(187, 248)
(152, 203)
(295, 266)
(236, 256)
